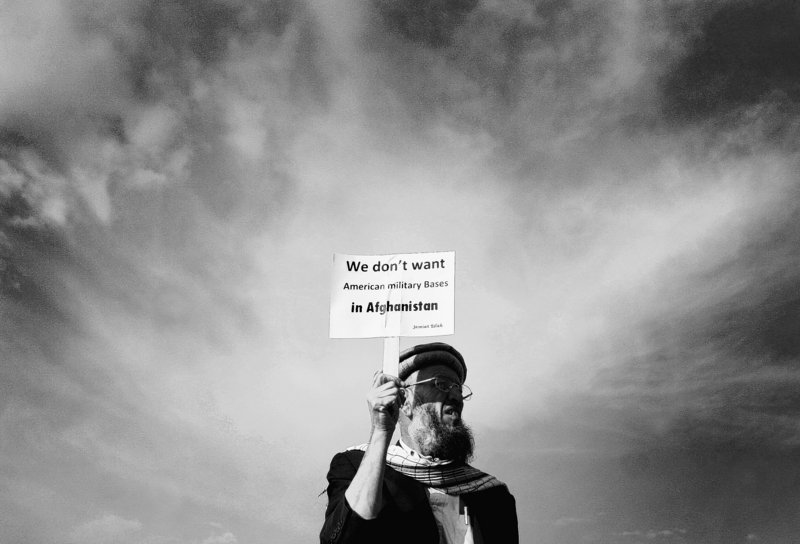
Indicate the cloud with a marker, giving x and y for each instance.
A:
(617, 179)
(563, 522)
(656, 534)
(111, 528)
(107, 529)
(225, 538)
(740, 55)
(431, 22)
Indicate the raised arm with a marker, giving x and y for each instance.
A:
(355, 481)
(383, 400)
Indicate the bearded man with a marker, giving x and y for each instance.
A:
(419, 490)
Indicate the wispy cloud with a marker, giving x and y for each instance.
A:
(617, 179)
(109, 528)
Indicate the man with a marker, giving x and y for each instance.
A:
(421, 489)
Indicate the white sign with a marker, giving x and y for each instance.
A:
(407, 294)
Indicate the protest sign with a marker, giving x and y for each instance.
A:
(409, 294)
(406, 294)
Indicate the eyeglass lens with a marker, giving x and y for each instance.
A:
(445, 386)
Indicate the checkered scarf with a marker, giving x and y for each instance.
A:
(443, 476)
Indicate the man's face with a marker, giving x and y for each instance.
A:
(436, 422)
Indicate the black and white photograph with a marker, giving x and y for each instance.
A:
(399, 271)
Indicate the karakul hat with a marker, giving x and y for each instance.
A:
(434, 353)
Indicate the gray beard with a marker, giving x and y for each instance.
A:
(438, 439)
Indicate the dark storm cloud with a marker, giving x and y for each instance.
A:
(497, 63)
(545, 79)
(27, 237)
(738, 80)
(553, 77)
(27, 133)
(745, 53)
(168, 35)
(431, 22)
(132, 148)
(171, 55)
(19, 249)
(763, 320)
(707, 411)
(727, 358)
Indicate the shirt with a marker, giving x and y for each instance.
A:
(452, 516)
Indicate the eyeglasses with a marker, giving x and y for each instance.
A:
(445, 386)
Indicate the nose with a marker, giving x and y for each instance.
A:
(456, 395)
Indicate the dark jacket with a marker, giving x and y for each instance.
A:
(405, 515)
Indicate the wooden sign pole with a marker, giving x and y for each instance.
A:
(391, 355)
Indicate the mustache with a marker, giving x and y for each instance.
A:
(444, 440)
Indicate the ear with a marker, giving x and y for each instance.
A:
(406, 406)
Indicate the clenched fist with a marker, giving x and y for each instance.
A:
(384, 400)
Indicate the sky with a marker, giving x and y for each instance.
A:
(618, 179)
